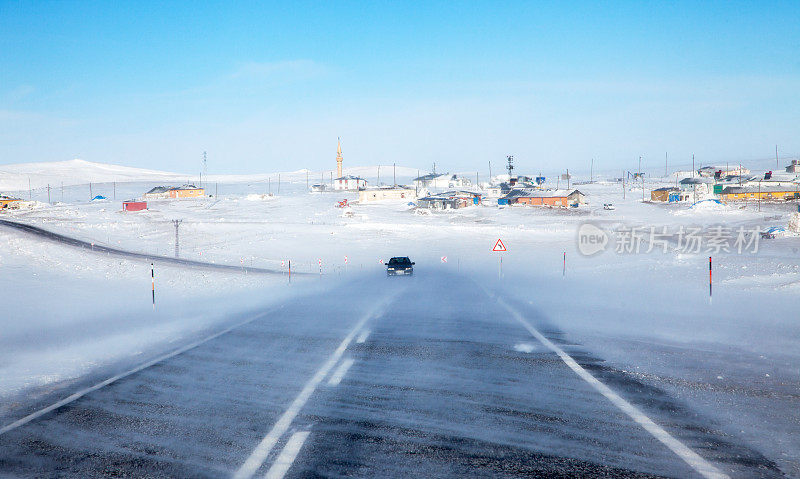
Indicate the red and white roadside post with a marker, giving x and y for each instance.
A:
(153, 278)
(709, 279)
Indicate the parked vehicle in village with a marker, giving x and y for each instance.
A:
(399, 266)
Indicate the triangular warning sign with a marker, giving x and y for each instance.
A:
(499, 246)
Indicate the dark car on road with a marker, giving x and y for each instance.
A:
(400, 265)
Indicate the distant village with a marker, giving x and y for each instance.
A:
(446, 191)
(441, 191)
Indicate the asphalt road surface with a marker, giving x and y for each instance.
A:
(430, 376)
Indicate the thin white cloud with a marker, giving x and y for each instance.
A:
(19, 93)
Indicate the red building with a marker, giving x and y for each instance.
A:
(134, 205)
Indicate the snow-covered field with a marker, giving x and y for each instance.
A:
(68, 312)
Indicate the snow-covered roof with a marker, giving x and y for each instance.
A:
(434, 176)
(349, 177)
(696, 180)
(452, 194)
(388, 188)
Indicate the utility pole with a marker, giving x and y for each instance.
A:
(30, 191)
(177, 244)
(216, 190)
(205, 167)
(48, 192)
(90, 191)
(640, 166)
(692, 165)
(490, 171)
(623, 184)
(777, 166)
(567, 178)
(759, 196)
(114, 183)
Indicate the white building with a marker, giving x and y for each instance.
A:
(697, 188)
(445, 180)
(390, 193)
(349, 183)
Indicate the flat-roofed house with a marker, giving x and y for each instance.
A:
(551, 198)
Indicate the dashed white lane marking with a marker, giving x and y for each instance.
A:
(338, 375)
(363, 336)
(83, 392)
(286, 458)
(694, 460)
(262, 450)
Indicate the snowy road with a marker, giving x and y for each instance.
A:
(98, 248)
(433, 376)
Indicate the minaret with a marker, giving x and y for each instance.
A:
(339, 158)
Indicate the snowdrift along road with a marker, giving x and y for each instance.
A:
(59, 238)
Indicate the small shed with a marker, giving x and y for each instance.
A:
(134, 205)
(450, 200)
(664, 194)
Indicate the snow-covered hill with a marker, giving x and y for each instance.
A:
(75, 172)
(20, 176)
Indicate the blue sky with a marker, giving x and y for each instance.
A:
(269, 86)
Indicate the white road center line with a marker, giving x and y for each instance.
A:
(690, 457)
(287, 456)
(83, 392)
(363, 336)
(338, 375)
(262, 450)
